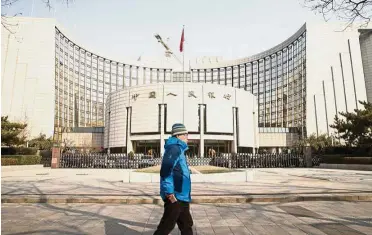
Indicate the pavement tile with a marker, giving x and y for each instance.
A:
(14, 228)
(221, 230)
(275, 229)
(276, 218)
(202, 225)
(218, 223)
(292, 230)
(334, 228)
(361, 228)
(240, 230)
(256, 229)
(261, 218)
(299, 211)
(291, 219)
(308, 229)
(205, 230)
(234, 222)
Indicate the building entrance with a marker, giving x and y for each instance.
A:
(147, 147)
(193, 150)
(212, 147)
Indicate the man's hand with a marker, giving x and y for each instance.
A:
(171, 198)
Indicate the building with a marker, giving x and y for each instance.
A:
(221, 118)
(366, 49)
(62, 88)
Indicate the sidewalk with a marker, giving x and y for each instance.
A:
(106, 186)
(299, 218)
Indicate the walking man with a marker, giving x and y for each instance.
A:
(175, 184)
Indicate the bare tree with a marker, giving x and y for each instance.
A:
(351, 11)
(49, 5)
(4, 17)
(9, 3)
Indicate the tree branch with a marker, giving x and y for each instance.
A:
(349, 10)
(9, 3)
(5, 23)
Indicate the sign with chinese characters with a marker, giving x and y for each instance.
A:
(172, 94)
(192, 94)
(152, 95)
(135, 96)
(227, 96)
(211, 95)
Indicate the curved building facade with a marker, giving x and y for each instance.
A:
(300, 84)
(277, 77)
(84, 80)
(218, 117)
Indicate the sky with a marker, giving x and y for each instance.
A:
(230, 29)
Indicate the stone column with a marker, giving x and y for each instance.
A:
(256, 134)
(56, 154)
(129, 146)
(201, 139)
(161, 106)
(308, 157)
(129, 142)
(234, 146)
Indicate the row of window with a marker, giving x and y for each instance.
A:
(261, 77)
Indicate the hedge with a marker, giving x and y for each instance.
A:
(46, 153)
(8, 161)
(348, 151)
(46, 157)
(337, 159)
(20, 160)
(18, 151)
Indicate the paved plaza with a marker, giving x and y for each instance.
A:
(300, 218)
(105, 182)
(310, 217)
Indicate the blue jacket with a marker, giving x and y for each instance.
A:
(174, 172)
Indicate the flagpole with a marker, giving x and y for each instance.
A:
(183, 75)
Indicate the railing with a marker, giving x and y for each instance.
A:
(244, 160)
(315, 160)
(228, 160)
(104, 160)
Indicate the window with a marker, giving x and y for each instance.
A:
(208, 76)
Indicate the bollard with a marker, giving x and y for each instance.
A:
(308, 157)
(56, 154)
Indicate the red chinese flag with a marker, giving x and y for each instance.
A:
(182, 40)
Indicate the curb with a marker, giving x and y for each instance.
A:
(196, 199)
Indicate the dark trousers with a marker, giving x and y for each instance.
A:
(178, 212)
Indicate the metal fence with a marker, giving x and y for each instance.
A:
(315, 159)
(46, 158)
(228, 160)
(104, 160)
